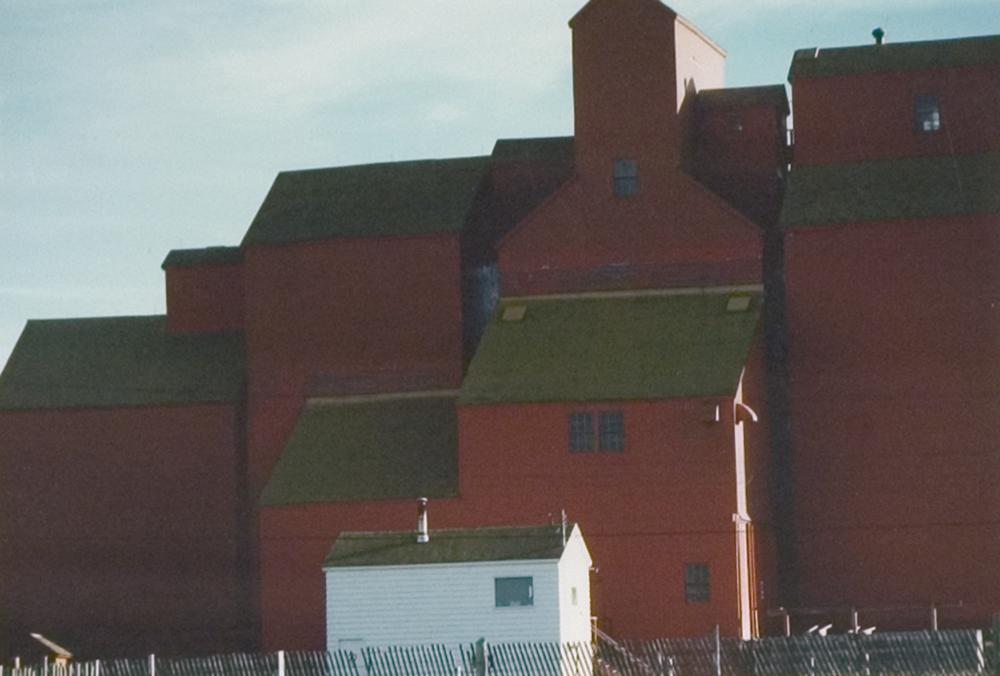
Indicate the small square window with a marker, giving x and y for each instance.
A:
(581, 432)
(626, 177)
(514, 591)
(696, 582)
(611, 431)
(927, 113)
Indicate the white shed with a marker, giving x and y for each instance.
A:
(503, 584)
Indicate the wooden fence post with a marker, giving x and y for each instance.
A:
(718, 651)
(480, 658)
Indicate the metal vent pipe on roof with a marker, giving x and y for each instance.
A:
(879, 35)
(422, 534)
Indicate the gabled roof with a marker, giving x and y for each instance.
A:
(930, 54)
(612, 347)
(915, 187)
(213, 255)
(372, 200)
(457, 545)
(743, 97)
(368, 449)
(119, 361)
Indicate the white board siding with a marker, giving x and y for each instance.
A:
(439, 603)
(574, 572)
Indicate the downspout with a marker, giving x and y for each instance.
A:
(741, 518)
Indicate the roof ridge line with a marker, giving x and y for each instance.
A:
(381, 396)
(641, 293)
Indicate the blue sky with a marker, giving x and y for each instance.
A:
(131, 127)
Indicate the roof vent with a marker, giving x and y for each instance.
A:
(879, 35)
(514, 313)
(738, 303)
(422, 534)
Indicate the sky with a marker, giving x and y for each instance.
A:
(132, 127)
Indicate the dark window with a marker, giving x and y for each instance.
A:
(611, 431)
(696, 582)
(927, 113)
(514, 591)
(581, 432)
(626, 177)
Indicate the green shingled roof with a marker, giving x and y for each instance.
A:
(213, 255)
(630, 347)
(744, 97)
(456, 545)
(119, 361)
(813, 62)
(398, 198)
(916, 187)
(367, 450)
(550, 150)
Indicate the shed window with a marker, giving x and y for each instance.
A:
(927, 113)
(581, 432)
(514, 591)
(611, 431)
(626, 177)
(696, 582)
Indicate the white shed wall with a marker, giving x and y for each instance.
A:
(439, 603)
(574, 572)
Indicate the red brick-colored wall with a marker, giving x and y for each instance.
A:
(322, 314)
(122, 531)
(668, 498)
(866, 117)
(740, 153)
(632, 72)
(671, 234)
(624, 90)
(894, 380)
(204, 298)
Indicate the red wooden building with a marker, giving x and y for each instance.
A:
(571, 324)
(892, 244)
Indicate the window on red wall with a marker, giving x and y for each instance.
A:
(611, 431)
(610, 436)
(696, 589)
(927, 113)
(581, 432)
(626, 177)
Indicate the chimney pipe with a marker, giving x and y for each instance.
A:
(422, 535)
(879, 35)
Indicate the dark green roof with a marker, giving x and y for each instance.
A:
(213, 255)
(551, 150)
(744, 97)
(916, 187)
(456, 545)
(902, 56)
(119, 361)
(593, 349)
(373, 200)
(368, 450)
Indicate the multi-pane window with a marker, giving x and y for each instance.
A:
(927, 113)
(610, 432)
(514, 591)
(696, 582)
(581, 432)
(626, 177)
